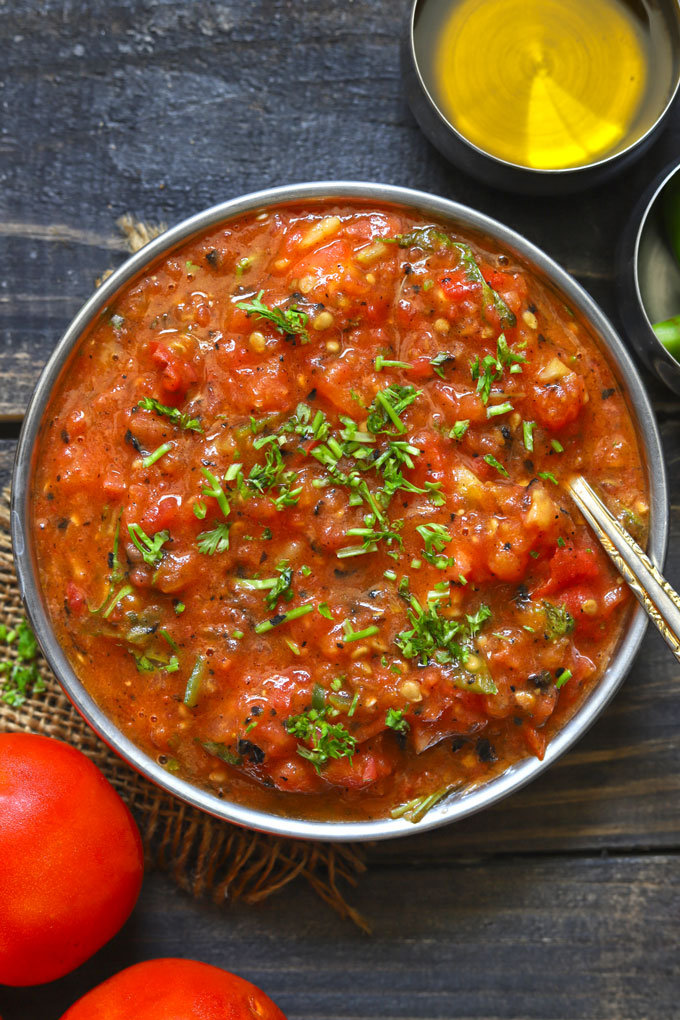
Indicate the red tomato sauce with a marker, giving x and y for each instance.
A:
(300, 520)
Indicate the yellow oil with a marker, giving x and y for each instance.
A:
(542, 83)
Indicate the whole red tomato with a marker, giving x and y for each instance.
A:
(170, 989)
(71, 859)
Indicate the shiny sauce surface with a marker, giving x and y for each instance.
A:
(299, 515)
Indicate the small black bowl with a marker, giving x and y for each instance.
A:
(648, 278)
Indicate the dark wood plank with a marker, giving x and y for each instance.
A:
(7, 449)
(177, 106)
(517, 939)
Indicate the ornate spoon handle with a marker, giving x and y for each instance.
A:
(649, 586)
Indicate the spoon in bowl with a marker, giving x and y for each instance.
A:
(651, 589)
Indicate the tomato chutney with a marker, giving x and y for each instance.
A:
(300, 517)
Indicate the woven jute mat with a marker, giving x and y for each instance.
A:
(204, 856)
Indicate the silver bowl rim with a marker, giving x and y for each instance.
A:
(546, 173)
(641, 215)
(466, 802)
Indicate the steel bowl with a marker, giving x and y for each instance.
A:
(648, 276)
(460, 803)
(513, 176)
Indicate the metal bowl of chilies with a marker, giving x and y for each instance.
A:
(459, 803)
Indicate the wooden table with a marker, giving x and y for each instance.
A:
(561, 902)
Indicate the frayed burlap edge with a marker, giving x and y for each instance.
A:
(204, 856)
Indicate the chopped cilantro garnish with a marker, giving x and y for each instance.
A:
(441, 359)
(358, 635)
(200, 509)
(288, 322)
(557, 446)
(149, 547)
(194, 683)
(177, 417)
(429, 239)
(492, 462)
(293, 614)
(387, 407)
(324, 740)
(243, 264)
(396, 721)
(490, 369)
(561, 542)
(179, 608)
(436, 538)
(417, 808)
(381, 363)
(157, 454)
(325, 611)
(559, 619)
(212, 487)
(215, 541)
(563, 675)
(281, 588)
(496, 409)
(21, 677)
(221, 751)
(459, 429)
(432, 636)
(302, 423)
(548, 476)
(372, 535)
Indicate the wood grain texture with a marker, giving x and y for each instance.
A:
(516, 939)
(561, 903)
(162, 108)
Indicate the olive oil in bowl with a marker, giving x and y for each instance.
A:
(546, 84)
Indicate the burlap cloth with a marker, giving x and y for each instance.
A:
(204, 856)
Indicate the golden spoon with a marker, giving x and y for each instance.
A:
(651, 589)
